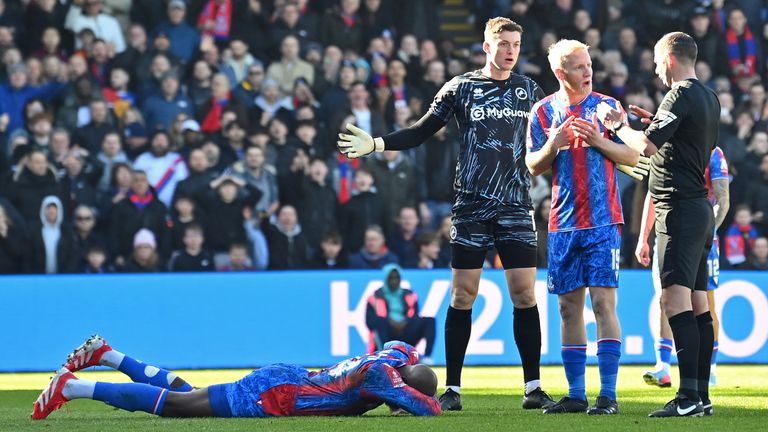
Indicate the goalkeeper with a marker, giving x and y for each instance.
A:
(565, 136)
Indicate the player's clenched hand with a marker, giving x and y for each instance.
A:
(360, 143)
(643, 253)
(645, 116)
(637, 172)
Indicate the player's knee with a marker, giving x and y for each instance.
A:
(569, 312)
(462, 298)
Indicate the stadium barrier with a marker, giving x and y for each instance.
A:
(244, 320)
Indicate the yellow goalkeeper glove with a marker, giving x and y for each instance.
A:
(637, 172)
(359, 143)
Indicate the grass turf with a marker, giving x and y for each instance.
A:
(491, 399)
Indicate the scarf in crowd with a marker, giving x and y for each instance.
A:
(221, 15)
(738, 241)
(141, 202)
(347, 168)
(735, 54)
(349, 20)
(212, 121)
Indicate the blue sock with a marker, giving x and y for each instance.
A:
(715, 349)
(575, 363)
(132, 396)
(664, 350)
(141, 372)
(608, 354)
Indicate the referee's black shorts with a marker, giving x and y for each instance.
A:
(684, 230)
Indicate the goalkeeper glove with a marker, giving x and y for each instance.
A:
(359, 143)
(637, 172)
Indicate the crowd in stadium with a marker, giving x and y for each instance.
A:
(200, 135)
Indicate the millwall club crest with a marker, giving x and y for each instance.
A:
(477, 93)
(453, 232)
(521, 93)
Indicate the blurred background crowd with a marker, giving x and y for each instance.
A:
(200, 135)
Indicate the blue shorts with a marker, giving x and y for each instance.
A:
(266, 392)
(713, 266)
(583, 258)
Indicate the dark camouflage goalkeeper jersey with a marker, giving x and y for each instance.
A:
(493, 118)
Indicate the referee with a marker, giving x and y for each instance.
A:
(680, 139)
(492, 207)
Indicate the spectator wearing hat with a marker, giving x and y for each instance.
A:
(164, 168)
(88, 14)
(144, 257)
(134, 134)
(160, 110)
(183, 37)
(16, 93)
(52, 247)
(139, 209)
(711, 47)
(290, 67)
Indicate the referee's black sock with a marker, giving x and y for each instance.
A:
(528, 339)
(706, 344)
(686, 333)
(458, 326)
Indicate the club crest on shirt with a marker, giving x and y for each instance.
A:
(521, 93)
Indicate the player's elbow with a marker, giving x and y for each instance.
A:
(533, 165)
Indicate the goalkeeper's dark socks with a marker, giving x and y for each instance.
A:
(132, 396)
(458, 326)
(141, 372)
(706, 343)
(686, 333)
(527, 329)
(608, 355)
(575, 364)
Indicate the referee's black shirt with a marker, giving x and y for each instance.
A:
(685, 130)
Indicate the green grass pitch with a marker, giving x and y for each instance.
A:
(491, 398)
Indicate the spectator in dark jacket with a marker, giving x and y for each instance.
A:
(140, 209)
(52, 244)
(92, 134)
(331, 254)
(79, 184)
(12, 244)
(396, 183)
(343, 27)
(160, 110)
(317, 203)
(288, 247)
(85, 234)
(362, 210)
(402, 240)
(193, 258)
(225, 202)
(31, 184)
(374, 254)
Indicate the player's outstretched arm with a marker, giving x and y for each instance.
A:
(614, 120)
(360, 143)
(384, 383)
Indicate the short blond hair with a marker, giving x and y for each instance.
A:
(557, 52)
(500, 24)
